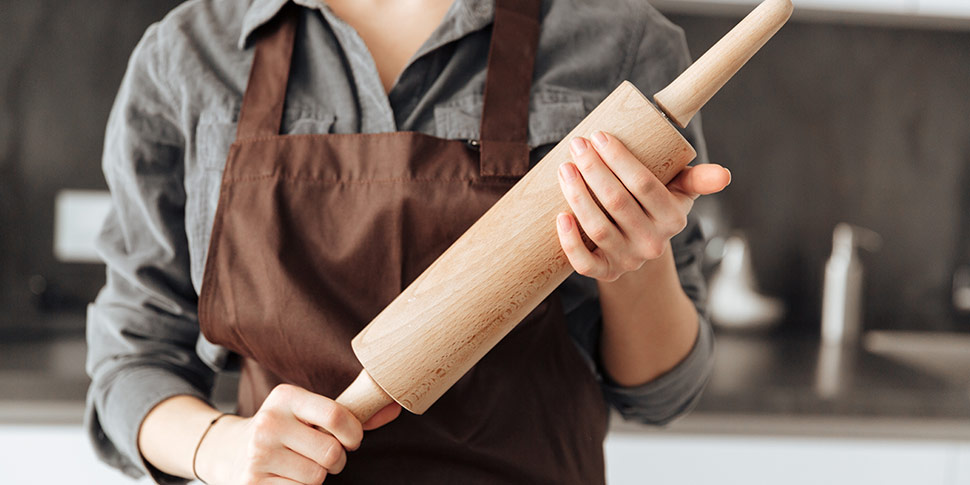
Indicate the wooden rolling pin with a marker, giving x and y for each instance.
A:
(510, 259)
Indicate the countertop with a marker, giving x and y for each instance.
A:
(771, 385)
(762, 385)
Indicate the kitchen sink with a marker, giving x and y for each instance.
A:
(944, 355)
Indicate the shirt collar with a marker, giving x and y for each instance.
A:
(258, 13)
(463, 17)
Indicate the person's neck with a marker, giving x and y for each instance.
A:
(393, 30)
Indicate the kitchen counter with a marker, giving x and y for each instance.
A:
(762, 385)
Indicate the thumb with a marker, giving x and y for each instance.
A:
(701, 180)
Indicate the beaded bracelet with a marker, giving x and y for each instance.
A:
(199, 444)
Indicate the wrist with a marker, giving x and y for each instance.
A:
(169, 433)
(212, 458)
(649, 322)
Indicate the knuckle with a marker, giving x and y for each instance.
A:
(614, 200)
(584, 268)
(680, 224)
(358, 433)
(674, 225)
(575, 197)
(652, 249)
(264, 422)
(332, 453)
(319, 475)
(610, 275)
(280, 394)
(632, 264)
(587, 161)
(262, 438)
(644, 182)
(331, 416)
(598, 232)
(257, 455)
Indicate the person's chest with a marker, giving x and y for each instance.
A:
(335, 87)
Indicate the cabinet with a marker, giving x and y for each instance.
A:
(661, 458)
(958, 9)
(41, 455)
(954, 8)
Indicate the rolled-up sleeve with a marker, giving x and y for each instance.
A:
(142, 329)
(674, 393)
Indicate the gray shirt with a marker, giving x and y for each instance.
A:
(174, 119)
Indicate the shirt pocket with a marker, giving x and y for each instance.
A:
(553, 112)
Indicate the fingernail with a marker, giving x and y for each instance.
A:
(578, 145)
(563, 221)
(568, 172)
(599, 139)
(729, 174)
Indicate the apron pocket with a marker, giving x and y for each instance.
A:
(216, 132)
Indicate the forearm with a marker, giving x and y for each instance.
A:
(649, 323)
(170, 433)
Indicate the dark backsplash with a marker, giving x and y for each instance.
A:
(865, 125)
(828, 123)
(61, 63)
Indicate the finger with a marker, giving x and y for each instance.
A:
(324, 413)
(384, 416)
(584, 261)
(293, 466)
(316, 445)
(701, 180)
(604, 184)
(592, 219)
(647, 189)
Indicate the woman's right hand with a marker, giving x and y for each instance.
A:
(295, 437)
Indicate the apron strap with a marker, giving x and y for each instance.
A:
(508, 82)
(261, 113)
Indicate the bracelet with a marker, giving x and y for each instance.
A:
(199, 444)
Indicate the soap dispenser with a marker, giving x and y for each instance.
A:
(842, 292)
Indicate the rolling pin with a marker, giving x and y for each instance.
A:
(506, 263)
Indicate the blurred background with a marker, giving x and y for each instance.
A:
(855, 116)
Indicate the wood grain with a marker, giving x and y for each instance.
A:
(363, 397)
(482, 286)
(502, 267)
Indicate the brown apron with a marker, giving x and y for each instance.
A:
(315, 234)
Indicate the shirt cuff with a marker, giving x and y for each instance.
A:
(673, 394)
(113, 424)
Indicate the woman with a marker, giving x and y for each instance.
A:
(402, 123)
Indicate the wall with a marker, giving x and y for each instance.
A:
(61, 63)
(865, 125)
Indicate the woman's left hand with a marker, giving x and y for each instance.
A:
(639, 215)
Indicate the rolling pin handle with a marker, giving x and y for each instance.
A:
(685, 96)
(364, 398)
